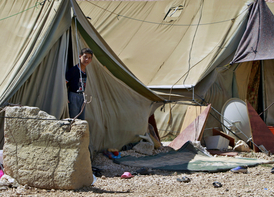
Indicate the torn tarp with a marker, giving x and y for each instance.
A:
(188, 158)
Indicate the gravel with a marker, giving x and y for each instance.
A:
(257, 182)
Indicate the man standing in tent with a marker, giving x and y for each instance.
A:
(76, 82)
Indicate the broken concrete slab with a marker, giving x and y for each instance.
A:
(43, 152)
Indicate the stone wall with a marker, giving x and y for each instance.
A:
(43, 152)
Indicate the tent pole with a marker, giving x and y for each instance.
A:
(263, 90)
(193, 93)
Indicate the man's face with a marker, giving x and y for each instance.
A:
(85, 59)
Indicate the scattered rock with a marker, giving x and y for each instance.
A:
(3, 188)
(217, 184)
(144, 147)
(103, 177)
(7, 180)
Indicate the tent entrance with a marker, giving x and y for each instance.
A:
(254, 84)
(70, 52)
(254, 88)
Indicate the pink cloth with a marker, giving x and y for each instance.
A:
(1, 173)
(126, 175)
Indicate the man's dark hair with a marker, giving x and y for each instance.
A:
(86, 50)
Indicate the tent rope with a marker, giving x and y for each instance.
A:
(189, 58)
(29, 118)
(82, 108)
(131, 18)
(266, 109)
(40, 119)
(199, 24)
(79, 62)
(206, 103)
(80, 71)
(192, 43)
(35, 6)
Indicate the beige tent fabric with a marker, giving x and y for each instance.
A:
(169, 119)
(116, 114)
(177, 52)
(190, 47)
(34, 73)
(46, 86)
(218, 93)
(242, 74)
(232, 81)
(28, 32)
(109, 59)
(28, 37)
(219, 88)
(268, 84)
(113, 102)
(164, 53)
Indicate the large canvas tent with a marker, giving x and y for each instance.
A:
(182, 49)
(39, 41)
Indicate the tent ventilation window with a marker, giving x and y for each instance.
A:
(173, 13)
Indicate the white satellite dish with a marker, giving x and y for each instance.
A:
(235, 117)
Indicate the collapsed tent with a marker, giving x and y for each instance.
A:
(182, 49)
(40, 40)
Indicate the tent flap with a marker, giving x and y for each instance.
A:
(40, 40)
(257, 43)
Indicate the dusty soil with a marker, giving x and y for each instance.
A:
(257, 182)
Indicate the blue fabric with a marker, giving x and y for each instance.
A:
(239, 169)
(75, 104)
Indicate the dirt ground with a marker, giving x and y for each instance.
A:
(259, 181)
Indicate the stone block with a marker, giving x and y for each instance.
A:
(44, 152)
